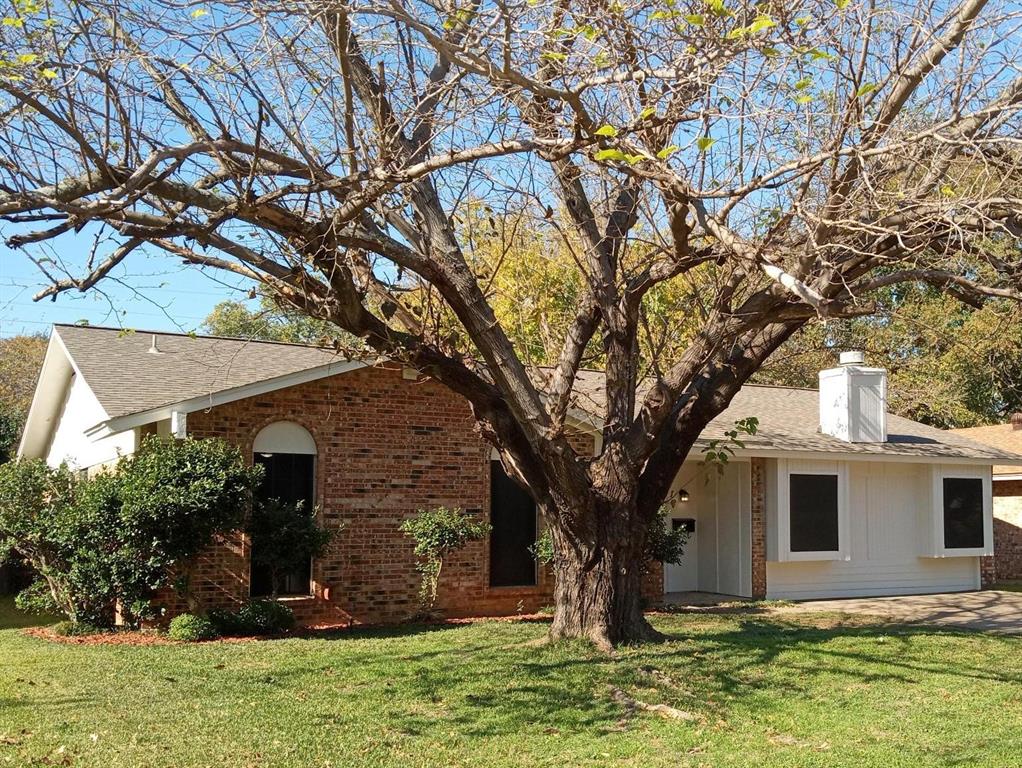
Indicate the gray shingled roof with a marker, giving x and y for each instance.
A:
(1004, 437)
(127, 378)
(789, 420)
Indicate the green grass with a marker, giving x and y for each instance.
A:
(798, 691)
(1009, 586)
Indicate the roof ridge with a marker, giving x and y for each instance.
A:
(183, 334)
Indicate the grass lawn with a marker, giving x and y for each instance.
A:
(798, 691)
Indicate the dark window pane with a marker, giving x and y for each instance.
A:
(963, 512)
(813, 513)
(289, 477)
(513, 517)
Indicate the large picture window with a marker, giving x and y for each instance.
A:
(813, 513)
(287, 454)
(963, 513)
(513, 521)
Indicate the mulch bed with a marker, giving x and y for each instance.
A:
(154, 637)
(126, 637)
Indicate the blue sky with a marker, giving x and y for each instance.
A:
(154, 292)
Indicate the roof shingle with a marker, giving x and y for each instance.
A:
(127, 378)
(1001, 436)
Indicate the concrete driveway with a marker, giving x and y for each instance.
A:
(989, 610)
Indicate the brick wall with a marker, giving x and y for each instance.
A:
(759, 571)
(387, 447)
(1008, 530)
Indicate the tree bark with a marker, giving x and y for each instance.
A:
(599, 562)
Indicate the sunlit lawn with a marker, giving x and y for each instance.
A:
(767, 691)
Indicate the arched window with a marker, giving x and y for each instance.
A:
(287, 453)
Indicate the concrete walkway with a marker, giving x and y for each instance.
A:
(989, 610)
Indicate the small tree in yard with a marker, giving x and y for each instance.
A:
(282, 535)
(369, 164)
(437, 533)
(121, 534)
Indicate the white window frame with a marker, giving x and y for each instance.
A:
(785, 469)
(940, 473)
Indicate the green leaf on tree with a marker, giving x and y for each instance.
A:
(666, 152)
(614, 155)
(704, 143)
(607, 130)
(865, 90)
(760, 23)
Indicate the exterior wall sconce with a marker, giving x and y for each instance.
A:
(682, 495)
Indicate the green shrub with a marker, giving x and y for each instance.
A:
(190, 628)
(226, 623)
(663, 543)
(437, 533)
(76, 629)
(264, 617)
(36, 599)
(120, 535)
(284, 535)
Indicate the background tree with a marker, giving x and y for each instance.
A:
(268, 323)
(793, 160)
(21, 357)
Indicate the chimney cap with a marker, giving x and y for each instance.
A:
(852, 357)
(1016, 421)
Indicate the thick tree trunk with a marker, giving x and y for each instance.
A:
(598, 589)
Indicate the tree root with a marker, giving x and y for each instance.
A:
(632, 705)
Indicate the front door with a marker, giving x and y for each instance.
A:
(683, 577)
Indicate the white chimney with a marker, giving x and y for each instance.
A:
(853, 401)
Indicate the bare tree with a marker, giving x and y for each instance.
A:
(794, 156)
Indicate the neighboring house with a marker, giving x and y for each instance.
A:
(873, 504)
(1007, 495)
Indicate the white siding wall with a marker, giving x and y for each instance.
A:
(885, 499)
(722, 507)
(81, 411)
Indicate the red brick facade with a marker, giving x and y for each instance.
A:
(759, 515)
(387, 446)
(1008, 529)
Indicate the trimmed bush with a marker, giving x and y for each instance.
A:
(264, 617)
(284, 535)
(189, 628)
(226, 623)
(120, 535)
(437, 533)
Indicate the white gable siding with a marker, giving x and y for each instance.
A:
(70, 444)
(883, 547)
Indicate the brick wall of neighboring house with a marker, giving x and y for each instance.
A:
(387, 447)
(1008, 529)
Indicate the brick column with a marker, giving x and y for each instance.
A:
(759, 575)
(987, 572)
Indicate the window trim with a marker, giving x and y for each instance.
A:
(942, 472)
(785, 469)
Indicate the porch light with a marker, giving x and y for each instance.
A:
(682, 495)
